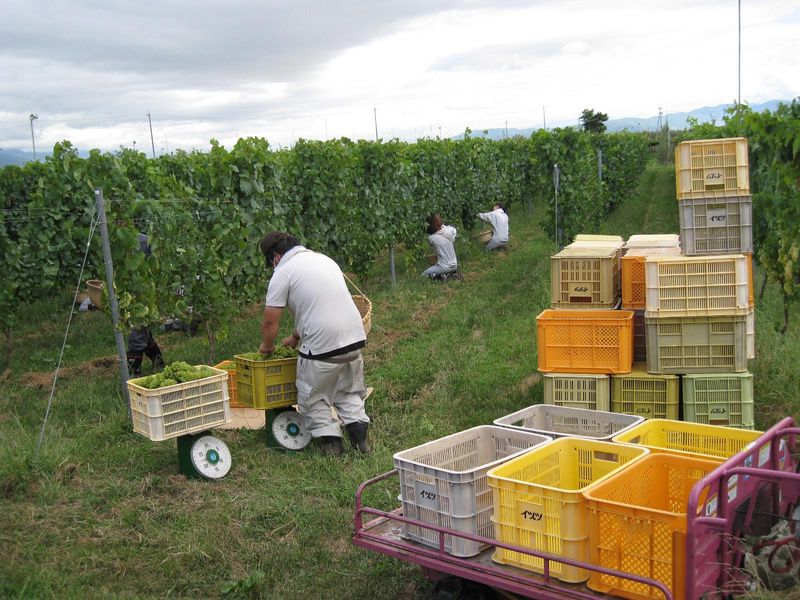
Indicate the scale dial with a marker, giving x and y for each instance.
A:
(288, 431)
(210, 457)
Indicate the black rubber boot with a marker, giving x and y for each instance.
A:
(330, 445)
(135, 364)
(153, 352)
(358, 436)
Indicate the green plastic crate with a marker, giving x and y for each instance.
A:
(577, 391)
(719, 399)
(680, 345)
(586, 275)
(646, 395)
(266, 384)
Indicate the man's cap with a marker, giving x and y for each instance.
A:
(269, 241)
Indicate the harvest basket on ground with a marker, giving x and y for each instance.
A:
(559, 421)
(483, 236)
(95, 290)
(266, 384)
(444, 483)
(538, 501)
(637, 522)
(179, 409)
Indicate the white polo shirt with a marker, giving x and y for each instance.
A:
(313, 288)
(442, 241)
(498, 219)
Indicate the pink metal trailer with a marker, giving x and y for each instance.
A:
(734, 511)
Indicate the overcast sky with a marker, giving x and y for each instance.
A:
(288, 69)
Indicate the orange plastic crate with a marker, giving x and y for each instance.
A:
(637, 523)
(634, 291)
(585, 341)
(230, 367)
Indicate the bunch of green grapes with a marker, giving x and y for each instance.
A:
(280, 352)
(177, 372)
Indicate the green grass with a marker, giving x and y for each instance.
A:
(103, 512)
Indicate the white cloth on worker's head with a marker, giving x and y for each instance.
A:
(498, 219)
(313, 288)
(322, 384)
(442, 242)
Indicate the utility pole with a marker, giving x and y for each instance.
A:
(33, 117)
(506, 129)
(739, 101)
(375, 115)
(544, 119)
(152, 143)
(658, 127)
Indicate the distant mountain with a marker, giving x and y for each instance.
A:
(11, 156)
(707, 114)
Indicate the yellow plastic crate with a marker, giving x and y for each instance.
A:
(230, 367)
(538, 500)
(697, 286)
(712, 168)
(586, 275)
(585, 341)
(174, 410)
(637, 524)
(266, 384)
(690, 439)
(645, 395)
(592, 392)
(634, 291)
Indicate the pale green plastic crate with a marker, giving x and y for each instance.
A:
(682, 345)
(647, 395)
(719, 399)
(588, 391)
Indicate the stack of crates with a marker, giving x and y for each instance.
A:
(699, 306)
(583, 338)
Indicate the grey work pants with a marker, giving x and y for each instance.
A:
(337, 382)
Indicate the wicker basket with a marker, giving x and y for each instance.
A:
(483, 236)
(433, 259)
(364, 306)
(95, 290)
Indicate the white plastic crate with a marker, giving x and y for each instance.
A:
(653, 240)
(559, 421)
(444, 483)
(180, 409)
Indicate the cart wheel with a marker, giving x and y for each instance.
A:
(456, 588)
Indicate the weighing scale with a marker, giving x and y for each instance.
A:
(285, 429)
(203, 456)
